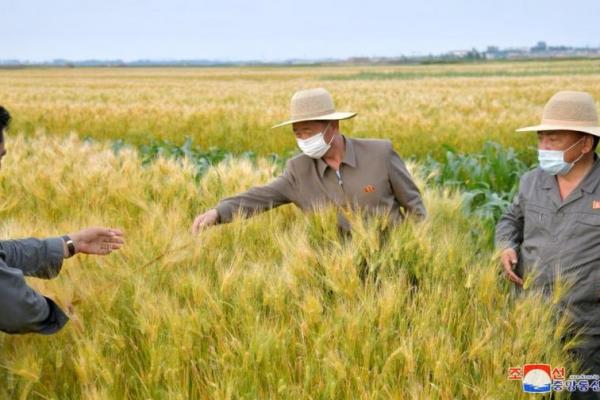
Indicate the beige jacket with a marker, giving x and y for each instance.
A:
(372, 177)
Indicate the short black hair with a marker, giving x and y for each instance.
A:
(4, 122)
(596, 140)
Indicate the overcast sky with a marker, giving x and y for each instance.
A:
(276, 30)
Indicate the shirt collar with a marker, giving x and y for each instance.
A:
(593, 177)
(548, 180)
(349, 157)
(589, 183)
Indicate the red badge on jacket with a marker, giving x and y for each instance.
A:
(369, 189)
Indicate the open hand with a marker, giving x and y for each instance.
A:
(203, 220)
(100, 241)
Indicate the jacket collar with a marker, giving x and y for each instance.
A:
(590, 181)
(349, 157)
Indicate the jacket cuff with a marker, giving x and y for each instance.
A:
(55, 321)
(225, 214)
(56, 249)
(56, 253)
(506, 244)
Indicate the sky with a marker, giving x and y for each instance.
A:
(233, 30)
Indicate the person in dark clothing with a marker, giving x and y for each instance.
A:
(23, 310)
(551, 231)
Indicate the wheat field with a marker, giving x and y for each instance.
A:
(280, 305)
(418, 107)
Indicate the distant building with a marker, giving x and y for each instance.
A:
(539, 47)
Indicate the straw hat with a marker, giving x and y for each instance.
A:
(570, 111)
(312, 105)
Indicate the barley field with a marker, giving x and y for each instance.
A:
(280, 305)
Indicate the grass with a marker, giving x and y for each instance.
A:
(275, 306)
(487, 181)
(234, 108)
(478, 70)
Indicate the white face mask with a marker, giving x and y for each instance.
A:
(315, 146)
(553, 161)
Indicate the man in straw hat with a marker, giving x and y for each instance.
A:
(332, 169)
(551, 231)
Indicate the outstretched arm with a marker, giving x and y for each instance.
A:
(254, 201)
(23, 310)
(34, 257)
(43, 258)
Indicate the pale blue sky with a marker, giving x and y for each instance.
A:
(276, 30)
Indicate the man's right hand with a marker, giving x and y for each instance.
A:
(98, 241)
(204, 220)
(509, 260)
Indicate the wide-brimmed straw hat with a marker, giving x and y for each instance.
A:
(313, 105)
(569, 111)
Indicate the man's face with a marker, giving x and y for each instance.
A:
(304, 130)
(576, 143)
